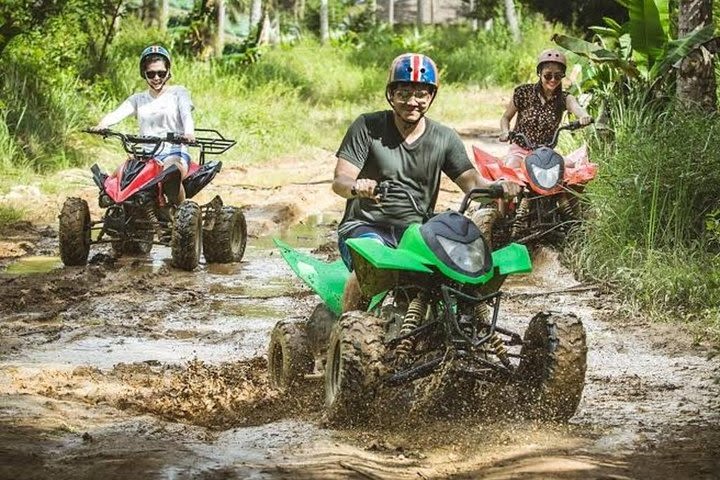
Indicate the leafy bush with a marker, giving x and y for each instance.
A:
(653, 206)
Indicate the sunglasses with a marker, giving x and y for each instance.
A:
(557, 76)
(405, 94)
(150, 74)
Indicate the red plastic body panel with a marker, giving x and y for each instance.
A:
(149, 172)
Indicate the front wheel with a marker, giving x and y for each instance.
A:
(551, 374)
(74, 232)
(289, 357)
(186, 243)
(353, 368)
(225, 243)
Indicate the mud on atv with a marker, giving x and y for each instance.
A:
(434, 317)
(549, 204)
(141, 209)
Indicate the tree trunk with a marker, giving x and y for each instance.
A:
(473, 19)
(164, 14)
(150, 13)
(420, 13)
(696, 76)
(512, 19)
(324, 22)
(391, 13)
(220, 27)
(255, 13)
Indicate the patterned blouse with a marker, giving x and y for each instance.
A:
(537, 118)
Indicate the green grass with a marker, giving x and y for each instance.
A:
(652, 234)
(9, 215)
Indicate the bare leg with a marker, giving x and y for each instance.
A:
(352, 296)
(177, 161)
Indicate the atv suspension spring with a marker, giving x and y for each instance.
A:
(412, 319)
(152, 219)
(521, 217)
(499, 349)
(565, 206)
(482, 312)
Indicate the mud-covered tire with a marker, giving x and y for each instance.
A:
(143, 229)
(353, 368)
(551, 374)
(485, 219)
(319, 326)
(186, 243)
(225, 243)
(289, 357)
(74, 232)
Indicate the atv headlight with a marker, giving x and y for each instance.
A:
(468, 256)
(546, 178)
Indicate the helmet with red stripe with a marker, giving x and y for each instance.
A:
(413, 68)
(154, 51)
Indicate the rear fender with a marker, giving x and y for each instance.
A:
(200, 177)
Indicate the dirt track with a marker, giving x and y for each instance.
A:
(131, 369)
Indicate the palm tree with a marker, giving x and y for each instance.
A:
(324, 22)
(696, 75)
(512, 19)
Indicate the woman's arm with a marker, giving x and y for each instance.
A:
(125, 109)
(185, 107)
(574, 107)
(510, 112)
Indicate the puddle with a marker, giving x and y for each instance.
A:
(32, 265)
(314, 231)
(104, 353)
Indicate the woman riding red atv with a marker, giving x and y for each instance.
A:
(160, 110)
(539, 108)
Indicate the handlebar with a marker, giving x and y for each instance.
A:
(575, 125)
(212, 145)
(386, 186)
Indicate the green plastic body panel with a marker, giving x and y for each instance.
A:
(511, 259)
(325, 279)
(388, 258)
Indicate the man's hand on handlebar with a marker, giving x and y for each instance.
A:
(510, 189)
(586, 120)
(366, 188)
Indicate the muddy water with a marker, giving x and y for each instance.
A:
(131, 369)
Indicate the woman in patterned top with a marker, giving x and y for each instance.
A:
(539, 107)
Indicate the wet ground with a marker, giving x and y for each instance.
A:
(129, 368)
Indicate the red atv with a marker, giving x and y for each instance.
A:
(549, 203)
(141, 208)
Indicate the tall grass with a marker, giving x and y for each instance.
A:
(653, 201)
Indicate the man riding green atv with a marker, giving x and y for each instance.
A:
(420, 291)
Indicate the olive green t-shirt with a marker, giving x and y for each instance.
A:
(373, 144)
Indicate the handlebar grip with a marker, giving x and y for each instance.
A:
(496, 191)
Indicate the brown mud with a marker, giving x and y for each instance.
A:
(128, 368)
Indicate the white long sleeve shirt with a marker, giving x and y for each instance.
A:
(170, 112)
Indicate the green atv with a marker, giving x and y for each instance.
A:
(434, 310)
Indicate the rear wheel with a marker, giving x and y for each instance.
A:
(225, 243)
(186, 243)
(551, 374)
(289, 357)
(74, 232)
(353, 368)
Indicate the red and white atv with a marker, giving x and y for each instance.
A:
(549, 203)
(141, 211)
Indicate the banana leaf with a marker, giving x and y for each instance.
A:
(678, 49)
(649, 26)
(596, 53)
